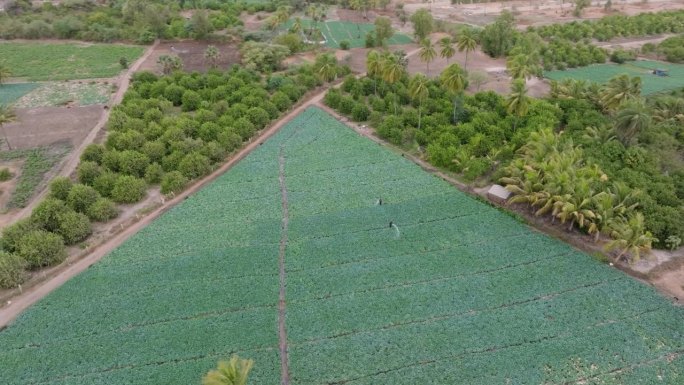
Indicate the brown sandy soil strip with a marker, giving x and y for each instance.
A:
(282, 331)
(34, 294)
(69, 165)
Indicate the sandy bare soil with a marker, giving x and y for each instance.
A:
(46, 125)
(192, 54)
(253, 22)
(535, 12)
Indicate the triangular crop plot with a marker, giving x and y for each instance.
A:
(389, 276)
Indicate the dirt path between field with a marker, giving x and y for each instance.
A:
(282, 331)
(21, 302)
(69, 164)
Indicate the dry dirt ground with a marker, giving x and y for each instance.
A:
(535, 12)
(46, 125)
(192, 54)
(7, 187)
(255, 21)
(495, 69)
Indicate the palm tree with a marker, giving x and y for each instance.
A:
(392, 67)
(233, 372)
(5, 72)
(447, 50)
(326, 67)
(374, 68)
(668, 110)
(418, 90)
(169, 63)
(454, 81)
(212, 54)
(427, 52)
(518, 102)
(630, 237)
(361, 6)
(466, 41)
(618, 90)
(7, 115)
(522, 66)
(634, 117)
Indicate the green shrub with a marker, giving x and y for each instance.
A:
(5, 174)
(88, 171)
(194, 165)
(104, 184)
(46, 214)
(153, 173)
(81, 197)
(345, 45)
(102, 210)
(191, 100)
(13, 233)
(133, 163)
(73, 227)
(128, 189)
(41, 248)
(93, 153)
(12, 271)
(60, 187)
(173, 182)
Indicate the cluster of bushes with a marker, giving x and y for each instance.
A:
(671, 49)
(167, 131)
(130, 20)
(469, 135)
(610, 27)
(61, 219)
(562, 53)
(477, 136)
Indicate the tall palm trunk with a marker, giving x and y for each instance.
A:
(465, 65)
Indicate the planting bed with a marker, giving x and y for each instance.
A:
(456, 292)
(64, 61)
(601, 73)
(355, 33)
(10, 93)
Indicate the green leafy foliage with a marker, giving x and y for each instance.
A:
(455, 278)
(12, 271)
(41, 248)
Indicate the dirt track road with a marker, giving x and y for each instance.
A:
(69, 164)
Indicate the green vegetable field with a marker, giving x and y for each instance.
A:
(456, 292)
(601, 73)
(57, 61)
(355, 33)
(10, 93)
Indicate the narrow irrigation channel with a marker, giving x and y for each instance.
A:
(282, 331)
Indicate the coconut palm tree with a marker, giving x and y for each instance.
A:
(374, 68)
(522, 66)
(448, 51)
(427, 52)
(212, 55)
(5, 72)
(392, 67)
(7, 115)
(418, 90)
(632, 118)
(668, 110)
(325, 67)
(630, 238)
(453, 80)
(518, 102)
(466, 41)
(233, 372)
(618, 90)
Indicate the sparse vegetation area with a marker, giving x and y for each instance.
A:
(37, 162)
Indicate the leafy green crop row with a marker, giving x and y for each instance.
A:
(460, 293)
